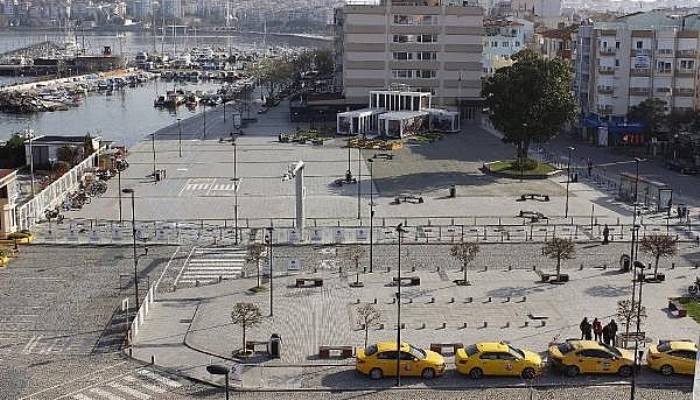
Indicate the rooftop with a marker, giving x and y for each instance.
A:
(59, 138)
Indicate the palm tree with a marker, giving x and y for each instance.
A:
(465, 252)
(659, 246)
(559, 249)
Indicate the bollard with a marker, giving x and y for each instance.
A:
(221, 278)
(524, 299)
(488, 300)
(315, 270)
(410, 301)
(605, 266)
(153, 360)
(130, 351)
(340, 270)
(673, 265)
(507, 300)
(358, 301)
(486, 324)
(196, 283)
(388, 269)
(413, 269)
(464, 325)
(380, 327)
(543, 323)
(437, 269)
(697, 266)
(526, 324)
(432, 300)
(375, 300)
(507, 325)
(580, 268)
(393, 300)
(468, 300)
(362, 327)
(422, 326)
(534, 268)
(452, 300)
(364, 270)
(486, 268)
(510, 268)
(444, 325)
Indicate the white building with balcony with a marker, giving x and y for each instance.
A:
(502, 39)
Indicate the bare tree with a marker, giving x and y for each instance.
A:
(559, 249)
(246, 315)
(465, 252)
(354, 254)
(659, 246)
(367, 315)
(256, 253)
(627, 313)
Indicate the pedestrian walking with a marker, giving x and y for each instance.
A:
(613, 330)
(606, 234)
(585, 327)
(597, 330)
(606, 334)
(590, 167)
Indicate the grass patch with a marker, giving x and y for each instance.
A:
(509, 167)
(693, 307)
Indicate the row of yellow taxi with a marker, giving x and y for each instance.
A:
(573, 357)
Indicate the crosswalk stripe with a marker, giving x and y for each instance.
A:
(152, 388)
(131, 391)
(81, 396)
(160, 378)
(106, 394)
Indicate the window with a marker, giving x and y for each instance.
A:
(663, 66)
(516, 352)
(471, 350)
(565, 348)
(425, 73)
(402, 19)
(402, 73)
(489, 356)
(427, 55)
(505, 44)
(402, 55)
(506, 357)
(494, 44)
(416, 352)
(640, 44)
(605, 44)
(427, 38)
(370, 350)
(617, 45)
(387, 355)
(401, 39)
(663, 347)
(617, 62)
(687, 64)
(407, 356)
(517, 43)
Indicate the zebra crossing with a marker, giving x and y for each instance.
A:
(40, 344)
(141, 385)
(208, 264)
(204, 186)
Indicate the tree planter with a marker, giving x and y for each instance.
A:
(462, 282)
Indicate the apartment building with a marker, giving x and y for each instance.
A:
(640, 56)
(431, 46)
(503, 38)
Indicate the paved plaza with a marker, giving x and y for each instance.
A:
(502, 304)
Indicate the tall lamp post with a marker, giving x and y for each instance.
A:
(348, 175)
(205, 120)
(179, 136)
(568, 179)
(133, 233)
(359, 184)
(633, 253)
(371, 213)
(236, 186)
(399, 230)
(268, 239)
(153, 145)
(119, 191)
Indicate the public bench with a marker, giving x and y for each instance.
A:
(439, 347)
(653, 277)
(675, 306)
(384, 156)
(407, 280)
(551, 278)
(308, 282)
(534, 216)
(534, 196)
(408, 198)
(250, 345)
(324, 352)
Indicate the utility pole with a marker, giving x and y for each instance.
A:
(399, 230)
(568, 179)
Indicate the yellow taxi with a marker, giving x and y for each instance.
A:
(497, 359)
(379, 360)
(669, 357)
(590, 357)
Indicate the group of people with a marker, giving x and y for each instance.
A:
(603, 334)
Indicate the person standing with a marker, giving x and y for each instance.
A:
(597, 330)
(606, 234)
(585, 327)
(613, 331)
(606, 334)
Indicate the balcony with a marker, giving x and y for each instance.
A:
(606, 90)
(685, 53)
(685, 92)
(685, 73)
(664, 71)
(640, 52)
(639, 92)
(640, 72)
(664, 52)
(607, 51)
(606, 70)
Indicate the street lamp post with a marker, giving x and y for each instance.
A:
(179, 136)
(359, 184)
(633, 253)
(119, 191)
(133, 232)
(399, 230)
(568, 179)
(236, 185)
(205, 120)
(371, 214)
(639, 276)
(348, 175)
(270, 262)
(153, 145)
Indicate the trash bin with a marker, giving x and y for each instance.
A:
(453, 191)
(273, 346)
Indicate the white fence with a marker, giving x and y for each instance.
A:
(52, 195)
(140, 317)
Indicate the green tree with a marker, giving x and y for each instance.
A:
(324, 61)
(530, 101)
(246, 315)
(659, 246)
(87, 145)
(271, 73)
(559, 249)
(465, 252)
(12, 154)
(651, 114)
